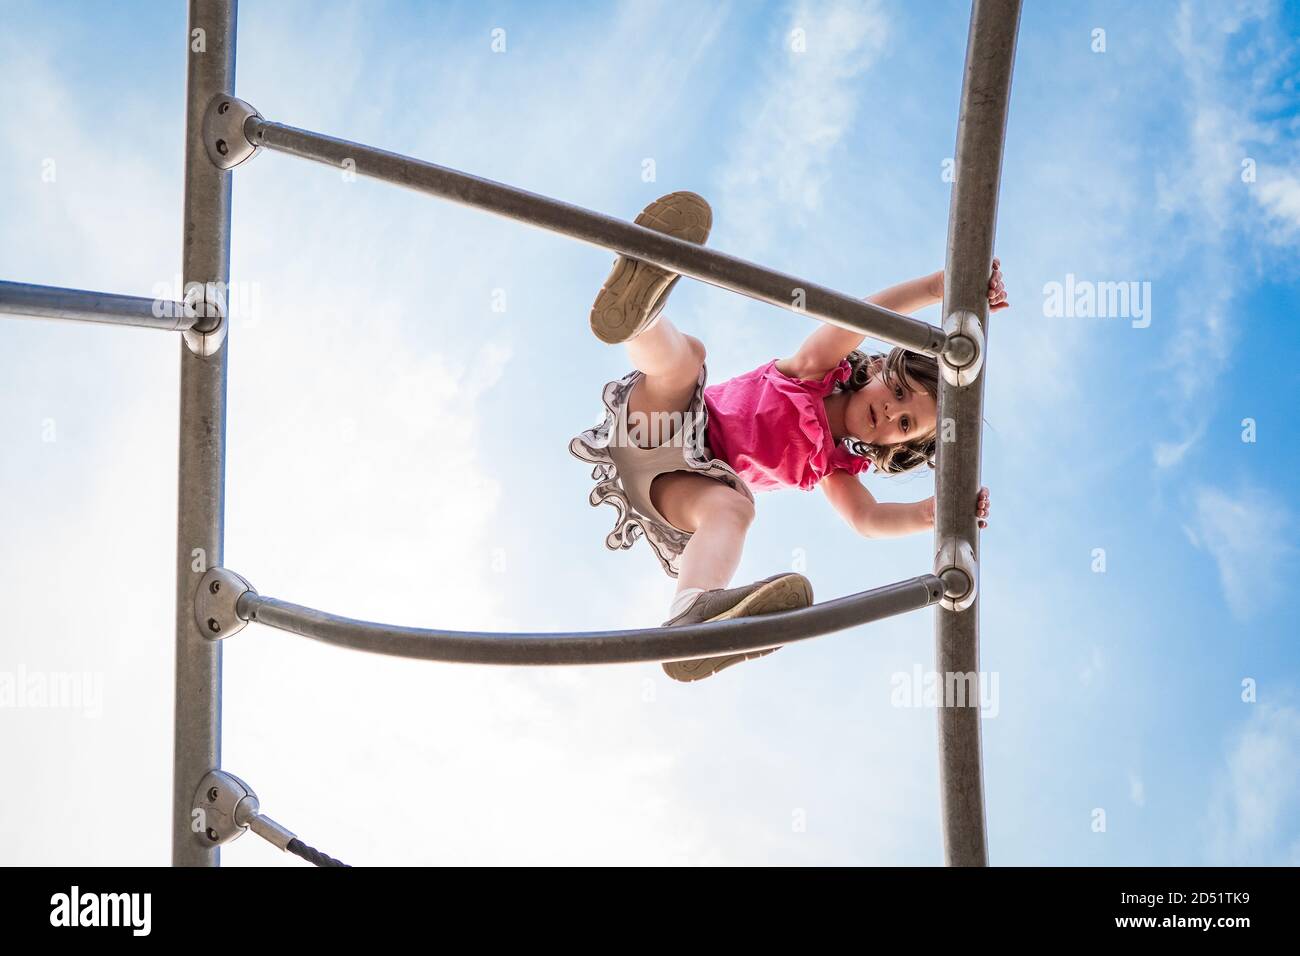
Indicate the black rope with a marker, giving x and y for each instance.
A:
(312, 855)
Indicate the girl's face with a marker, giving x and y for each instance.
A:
(883, 414)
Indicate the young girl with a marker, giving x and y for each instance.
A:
(681, 461)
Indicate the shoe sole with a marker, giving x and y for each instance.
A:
(625, 304)
(783, 594)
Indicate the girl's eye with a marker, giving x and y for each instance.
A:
(906, 425)
(898, 392)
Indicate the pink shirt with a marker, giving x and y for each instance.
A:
(773, 430)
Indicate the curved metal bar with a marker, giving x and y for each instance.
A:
(595, 647)
(981, 129)
(687, 258)
(51, 302)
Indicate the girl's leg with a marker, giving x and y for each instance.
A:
(670, 361)
(664, 350)
(718, 517)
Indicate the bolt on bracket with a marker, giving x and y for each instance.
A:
(216, 603)
(226, 808)
(223, 131)
(963, 352)
(955, 565)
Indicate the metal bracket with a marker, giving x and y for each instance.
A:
(224, 803)
(955, 565)
(223, 131)
(216, 601)
(228, 807)
(963, 352)
(205, 302)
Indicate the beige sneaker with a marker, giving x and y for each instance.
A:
(635, 292)
(781, 592)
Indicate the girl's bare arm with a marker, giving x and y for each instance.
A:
(871, 518)
(874, 519)
(826, 347)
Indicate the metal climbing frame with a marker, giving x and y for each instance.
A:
(213, 602)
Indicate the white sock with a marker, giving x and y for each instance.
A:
(683, 598)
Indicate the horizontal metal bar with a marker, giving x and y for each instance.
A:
(595, 647)
(677, 255)
(50, 302)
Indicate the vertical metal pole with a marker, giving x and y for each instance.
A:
(981, 129)
(202, 457)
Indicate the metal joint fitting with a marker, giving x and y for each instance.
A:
(963, 351)
(223, 804)
(955, 565)
(223, 131)
(216, 603)
(205, 302)
(225, 808)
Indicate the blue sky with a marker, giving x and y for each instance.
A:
(397, 448)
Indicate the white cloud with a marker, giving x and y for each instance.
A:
(779, 168)
(1169, 454)
(1223, 92)
(1218, 128)
(1255, 807)
(1280, 197)
(1198, 351)
(776, 174)
(1246, 534)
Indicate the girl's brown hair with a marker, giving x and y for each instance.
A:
(900, 368)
